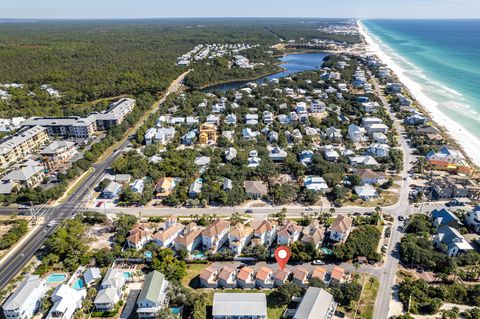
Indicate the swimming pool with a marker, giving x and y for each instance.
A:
(127, 275)
(176, 310)
(79, 284)
(55, 278)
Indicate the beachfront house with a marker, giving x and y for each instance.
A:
(153, 296)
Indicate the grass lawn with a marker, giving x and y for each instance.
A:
(369, 294)
(193, 271)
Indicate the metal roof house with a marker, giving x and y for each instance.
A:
(316, 304)
(26, 299)
(153, 295)
(239, 306)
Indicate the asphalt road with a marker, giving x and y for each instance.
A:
(24, 252)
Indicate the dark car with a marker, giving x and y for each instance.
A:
(249, 211)
(388, 232)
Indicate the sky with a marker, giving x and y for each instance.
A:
(97, 9)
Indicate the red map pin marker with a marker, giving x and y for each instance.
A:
(282, 255)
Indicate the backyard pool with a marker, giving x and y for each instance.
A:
(127, 275)
(176, 310)
(79, 284)
(55, 278)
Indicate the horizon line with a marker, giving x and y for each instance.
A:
(230, 17)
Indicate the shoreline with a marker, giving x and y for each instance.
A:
(467, 143)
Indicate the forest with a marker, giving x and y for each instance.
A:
(91, 60)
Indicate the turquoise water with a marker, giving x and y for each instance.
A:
(443, 57)
(291, 63)
(176, 310)
(79, 284)
(55, 278)
(127, 275)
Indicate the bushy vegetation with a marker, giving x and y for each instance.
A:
(362, 241)
(17, 229)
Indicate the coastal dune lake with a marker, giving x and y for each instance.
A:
(291, 63)
(439, 61)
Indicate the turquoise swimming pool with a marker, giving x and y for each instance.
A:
(55, 278)
(176, 310)
(79, 284)
(127, 275)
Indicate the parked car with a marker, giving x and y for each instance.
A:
(400, 218)
(249, 211)
(318, 262)
(388, 232)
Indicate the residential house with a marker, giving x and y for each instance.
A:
(249, 134)
(379, 150)
(317, 106)
(138, 237)
(444, 217)
(212, 119)
(367, 176)
(161, 135)
(450, 241)
(66, 300)
(277, 154)
(473, 219)
(300, 276)
(337, 275)
(91, 275)
(29, 176)
(112, 190)
(246, 278)
(165, 238)
(209, 277)
(165, 186)
(371, 107)
(264, 233)
(191, 239)
(111, 290)
(195, 188)
(253, 159)
(333, 134)
(340, 228)
(330, 154)
(255, 189)
(251, 119)
(317, 303)
(364, 160)
(319, 273)
(377, 128)
(267, 117)
(315, 183)
(227, 184)
(356, 133)
(230, 154)
(231, 119)
(239, 306)
(264, 278)
(366, 192)
(25, 301)
(288, 233)
(208, 133)
(445, 154)
(215, 235)
(239, 237)
(380, 138)
(227, 278)
(137, 186)
(313, 234)
(153, 296)
(281, 276)
(306, 157)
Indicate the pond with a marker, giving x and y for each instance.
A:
(291, 63)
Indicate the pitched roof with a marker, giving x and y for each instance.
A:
(282, 274)
(226, 273)
(263, 273)
(240, 231)
(22, 293)
(216, 228)
(208, 272)
(169, 232)
(315, 304)
(300, 273)
(341, 224)
(262, 226)
(153, 288)
(337, 273)
(319, 272)
(245, 273)
(189, 237)
(239, 304)
(255, 187)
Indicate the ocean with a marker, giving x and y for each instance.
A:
(440, 60)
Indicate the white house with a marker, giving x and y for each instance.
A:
(451, 241)
(238, 237)
(315, 183)
(165, 238)
(330, 154)
(231, 119)
(379, 150)
(371, 107)
(356, 133)
(267, 117)
(66, 301)
(215, 235)
(473, 219)
(263, 233)
(110, 291)
(340, 228)
(317, 106)
(366, 192)
(26, 299)
(153, 296)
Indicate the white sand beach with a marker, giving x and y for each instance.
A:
(469, 143)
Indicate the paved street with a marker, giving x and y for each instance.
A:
(13, 264)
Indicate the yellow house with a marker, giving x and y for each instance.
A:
(208, 134)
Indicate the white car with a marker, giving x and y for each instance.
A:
(318, 262)
(51, 223)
